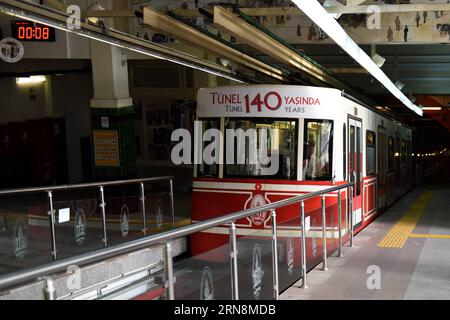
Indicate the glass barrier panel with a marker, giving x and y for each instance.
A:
(78, 222)
(123, 213)
(289, 234)
(313, 228)
(24, 232)
(158, 211)
(332, 223)
(345, 216)
(206, 275)
(255, 257)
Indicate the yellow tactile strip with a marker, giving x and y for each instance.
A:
(397, 236)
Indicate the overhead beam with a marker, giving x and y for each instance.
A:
(163, 23)
(36, 13)
(355, 2)
(390, 8)
(109, 13)
(57, 4)
(255, 12)
(258, 39)
(349, 71)
(354, 9)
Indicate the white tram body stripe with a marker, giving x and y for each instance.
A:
(223, 191)
(357, 216)
(316, 232)
(219, 185)
(282, 231)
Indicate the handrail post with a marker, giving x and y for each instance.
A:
(340, 222)
(51, 214)
(102, 207)
(234, 264)
(302, 218)
(351, 216)
(169, 271)
(275, 255)
(144, 226)
(324, 235)
(49, 289)
(172, 208)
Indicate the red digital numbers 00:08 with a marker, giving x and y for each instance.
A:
(37, 33)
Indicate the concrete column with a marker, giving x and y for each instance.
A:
(112, 112)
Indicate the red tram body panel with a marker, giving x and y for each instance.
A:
(323, 139)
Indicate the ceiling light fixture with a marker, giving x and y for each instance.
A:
(30, 80)
(332, 28)
(432, 109)
(333, 3)
(94, 7)
(379, 60)
(400, 85)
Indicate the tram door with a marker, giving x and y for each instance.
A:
(382, 167)
(355, 168)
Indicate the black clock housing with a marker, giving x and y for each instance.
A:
(30, 31)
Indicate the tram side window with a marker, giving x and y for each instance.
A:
(370, 152)
(208, 170)
(391, 154)
(397, 155)
(318, 150)
(281, 137)
(408, 152)
(404, 153)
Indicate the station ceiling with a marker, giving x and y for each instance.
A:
(423, 67)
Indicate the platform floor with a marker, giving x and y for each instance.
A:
(408, 247)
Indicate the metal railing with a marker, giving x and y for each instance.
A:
(44, 273)
(51, 190)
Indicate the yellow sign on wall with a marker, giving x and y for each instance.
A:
(106, 148)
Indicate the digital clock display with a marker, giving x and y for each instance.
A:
(30, 31)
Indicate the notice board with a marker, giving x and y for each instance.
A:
(106, 148)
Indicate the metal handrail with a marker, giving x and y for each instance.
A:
(107, 253)
(82, 185)
(49, 190)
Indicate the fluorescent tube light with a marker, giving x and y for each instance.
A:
(331, 27)
(30, 80)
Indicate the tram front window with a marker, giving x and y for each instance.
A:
(318, 149)
(204, 169)
(281, 137)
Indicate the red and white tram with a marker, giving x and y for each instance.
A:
(324, 137)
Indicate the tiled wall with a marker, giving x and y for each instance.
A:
(122, 120)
